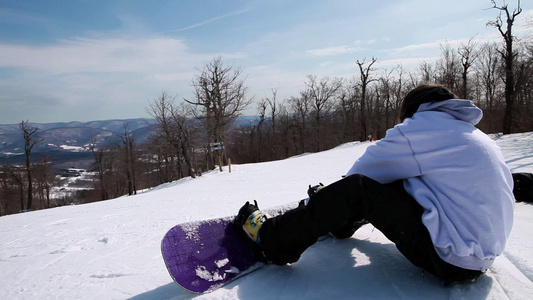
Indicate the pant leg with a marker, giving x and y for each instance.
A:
(400, 219)
(285, 237)
(386, 206)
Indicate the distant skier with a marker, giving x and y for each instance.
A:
(435, 186)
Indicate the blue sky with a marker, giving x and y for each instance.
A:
(82, 60)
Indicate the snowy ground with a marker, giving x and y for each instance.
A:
(111, 249)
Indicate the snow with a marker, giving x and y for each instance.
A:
(111, 249)
(221, 263)
(73, 148)
(203, 273)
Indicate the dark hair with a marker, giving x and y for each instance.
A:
(423, 94)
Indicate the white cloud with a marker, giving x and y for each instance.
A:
(204, 22)
(98, 55)
(418, 47)
(332, 51)
(85, 74)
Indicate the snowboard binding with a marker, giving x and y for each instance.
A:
(247, 224)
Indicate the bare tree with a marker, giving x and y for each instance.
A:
(365, 81)
(128, 155)
(273, 134)
(185, 136)
(45, 179)
(262, 111)
(322, 95)
(11, 189)
(509, 56)
(427, 72)
(30, 140)
(487, 73)
(274, 109)
(161, 110)
(348, 106)
(12, 183)
(467, 54)
(220, 95)
(173, 126)
(448, 68)
(99, 154)
(391, 89)
(300, 106)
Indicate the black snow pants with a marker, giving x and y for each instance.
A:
(388, 207)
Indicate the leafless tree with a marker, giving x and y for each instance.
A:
(44, 178)
(427, 73)
(161, 110)
(487, 72)
(366, 79)
(322, 94)
(12, 193)
(31, 139)
(448, 67)
(128, 156)
(390, 85)
(347, 108)
(276, 111)
(262, 111)
(220, 96)
(173, 125)
(99, 154)
(467, 54)
(300, 107)
(11, 190)
(186, 129)
(509, 57)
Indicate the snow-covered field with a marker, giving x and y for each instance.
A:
(111, 249)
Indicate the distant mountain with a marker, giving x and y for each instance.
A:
(111, 125)
(71, 140)
(72, 137)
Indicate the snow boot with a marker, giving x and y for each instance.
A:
(247, 224)
(523, 187)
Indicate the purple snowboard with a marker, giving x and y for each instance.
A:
(202, 256)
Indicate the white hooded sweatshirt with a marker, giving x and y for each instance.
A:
(456, 173)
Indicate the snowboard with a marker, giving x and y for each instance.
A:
(202, 256)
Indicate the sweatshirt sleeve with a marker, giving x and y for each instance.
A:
(389, 159)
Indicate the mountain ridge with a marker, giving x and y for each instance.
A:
(67, 137)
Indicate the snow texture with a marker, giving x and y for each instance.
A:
(221, 263)
(111, 249)
(203, 273)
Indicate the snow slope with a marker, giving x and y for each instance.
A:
(110, 250)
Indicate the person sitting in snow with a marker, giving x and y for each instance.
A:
(435, 185)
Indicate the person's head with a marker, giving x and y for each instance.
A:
(423, 94)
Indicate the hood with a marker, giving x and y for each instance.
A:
(464, 110)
